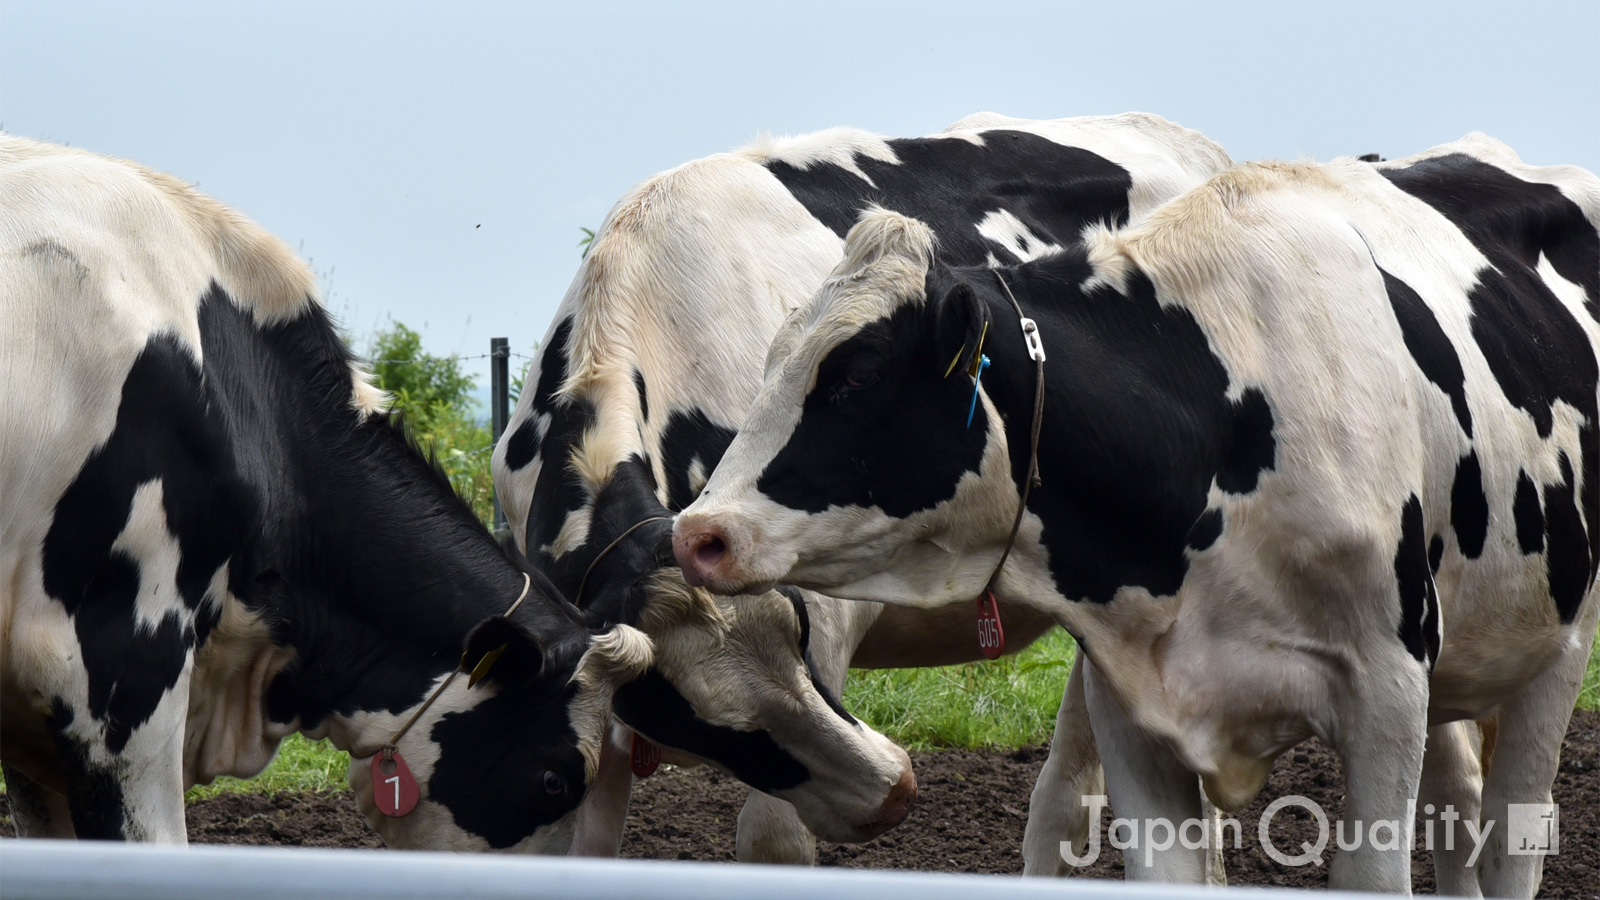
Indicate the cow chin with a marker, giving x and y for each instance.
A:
(839, 810)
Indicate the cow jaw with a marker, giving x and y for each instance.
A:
(779, 733)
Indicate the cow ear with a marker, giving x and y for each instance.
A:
(960, 322)
(500, 650)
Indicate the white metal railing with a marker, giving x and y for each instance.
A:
(58, 870)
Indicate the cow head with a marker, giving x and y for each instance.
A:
(503, 761)
(733, 682)
(856, 472)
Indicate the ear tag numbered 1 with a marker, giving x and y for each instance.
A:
(394, 789)
(991, 635)
(644, 757)
(979, 364)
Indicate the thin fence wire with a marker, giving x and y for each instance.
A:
(413, 362)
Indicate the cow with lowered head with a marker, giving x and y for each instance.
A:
(1318, 457)
(212, 536)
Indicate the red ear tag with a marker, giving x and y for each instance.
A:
(644, 756)
(991, 635)
(394, 788)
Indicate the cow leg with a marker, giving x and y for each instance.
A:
(1056, 812)
(1381, 736)
(134, 793)
(1527, 753)
(770, 831)
(1148, 785)
(1452, 783)
(604, 810)
(36, 811)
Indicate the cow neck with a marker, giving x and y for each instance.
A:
(1035, 347)
(390, 614)
(620, 546)
(361, 558)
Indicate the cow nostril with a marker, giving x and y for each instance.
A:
(710, 552)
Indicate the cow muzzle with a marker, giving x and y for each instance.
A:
(896, 806)
(714, 553)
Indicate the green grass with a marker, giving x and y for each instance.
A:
(301, 765)
(1006, 703)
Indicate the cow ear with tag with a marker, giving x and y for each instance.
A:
(959, 321)
(502, 651)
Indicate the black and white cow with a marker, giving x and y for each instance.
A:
(650, 365)
(1319, 457)
(211, 536)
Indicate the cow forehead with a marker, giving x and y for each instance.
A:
(885, 269)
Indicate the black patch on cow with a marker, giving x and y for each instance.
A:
(921, 410)
(797, 599)
(559, 491)
(1528, 514)
(1136, 428)
(163, 433)
(1568, 561)
(1419, 600)
(94, 794)
(1206, 529)
(653, 707)
(1469, 506)
(1507, 218)
(1252, 448)
(952, 184)
(1535, 347)
(606, 585)
(1429, 346)
(523, 445)
(1435, 553)
(690, 436)
(493, 761)
(644, 396)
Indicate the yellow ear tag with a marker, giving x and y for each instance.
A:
(977, 355)
(954, 361)
(483, 666)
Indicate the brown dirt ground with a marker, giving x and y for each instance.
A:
(970, 818)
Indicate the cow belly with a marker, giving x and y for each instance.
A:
(909, 637)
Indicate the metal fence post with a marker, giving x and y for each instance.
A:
(499, 406)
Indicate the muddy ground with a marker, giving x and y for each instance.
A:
(973, 808)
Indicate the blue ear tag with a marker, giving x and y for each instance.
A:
(983, 363)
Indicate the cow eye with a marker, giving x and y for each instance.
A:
(554, 783)
(860, 377)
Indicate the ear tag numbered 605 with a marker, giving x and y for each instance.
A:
(394, 789)
(991, 635)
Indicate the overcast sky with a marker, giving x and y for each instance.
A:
(435, 161)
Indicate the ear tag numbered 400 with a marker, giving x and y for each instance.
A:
(394, 789)
(643, 757)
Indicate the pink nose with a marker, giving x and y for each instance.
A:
(896, 806)
(699, 551)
